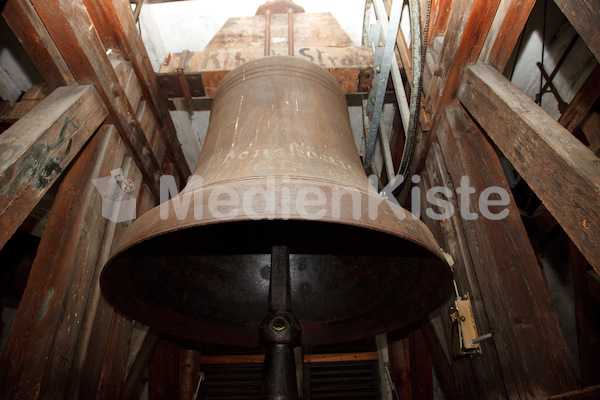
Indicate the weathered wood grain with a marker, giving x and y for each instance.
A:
(206, 69)
(502, 38)
(589, 393)
(532, 354)
(584, 99)
(562, 172)
(584, 15)
(75, 35)
(483, 371)
(45, 330)
(587, 318)
(26, 24)
(37, 148)
(117, 28)
(467, 29)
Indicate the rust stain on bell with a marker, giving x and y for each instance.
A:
(278, 167)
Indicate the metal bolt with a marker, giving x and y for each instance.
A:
(278, 323)
(372, 99)
(378, 68)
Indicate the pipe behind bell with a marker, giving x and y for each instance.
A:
(279, 166)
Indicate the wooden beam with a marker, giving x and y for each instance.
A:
(37, 42)
(594, 286)
(189, 367)
(400, 367)
(420, 367)
(462, 45)
(340, 357)
(141, 358)
(38, 356)
(582, 103)
(532, 356)
(454, 237)
(163, 372)
(589, 393)
(76, 37)
(536, 144)
(233, 359)
(117, 27)
(103, 369)
(584, 15)
(508, 25)
(440, 15)
(205, 69)
(587, 319)
(308, 358)
(38, 147)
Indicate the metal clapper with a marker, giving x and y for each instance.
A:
(465, 341)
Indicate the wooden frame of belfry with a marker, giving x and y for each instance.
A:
(105, 109)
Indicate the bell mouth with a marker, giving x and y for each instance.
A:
(207, 279)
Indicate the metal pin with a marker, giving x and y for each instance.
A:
(290, 14)
(268, 33)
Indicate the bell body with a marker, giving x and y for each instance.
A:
(278, 167)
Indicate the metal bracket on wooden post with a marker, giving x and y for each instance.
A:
(182, 78)
(465, 339)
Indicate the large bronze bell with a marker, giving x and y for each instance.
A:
(279, 181)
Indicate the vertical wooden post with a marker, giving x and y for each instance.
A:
(39, 352)
(587, 319)
(117, 28)
(189, 367)
(37, 42)
(163, 372)
(532, 354)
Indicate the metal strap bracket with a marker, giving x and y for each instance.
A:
(182, 78)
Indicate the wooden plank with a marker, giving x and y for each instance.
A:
(205, 69)
(582, 102)
(117, 27)
(532, 353)
(115, 358)
(591, 130)
(310, 29)
(508, 24)
(443, 368)
(308, 358)
(37, 148)
(536, 144)
(233, 359)
(37, 42)
(69, 25)
(420, 367)
(440, 16)
(141, 358)
(462, 45)
(594, 286)
(587, 319)
(340, 357)
(48, 319)
(189, 367)
(400, 367)
(584, 15)
(451, 234)
(104, 355)
(163, 372)
(590, 393)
